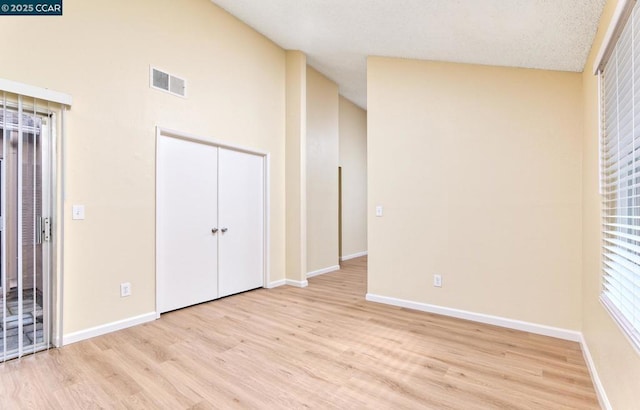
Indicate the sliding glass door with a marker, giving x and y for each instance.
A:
(25, 249)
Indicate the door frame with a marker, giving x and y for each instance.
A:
(168, 132)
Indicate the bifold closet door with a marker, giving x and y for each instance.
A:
(241, 212)
(186, 223)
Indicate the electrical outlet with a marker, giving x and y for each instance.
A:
(437, 281)
(125, 289)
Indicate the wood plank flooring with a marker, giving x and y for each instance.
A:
(320, 347)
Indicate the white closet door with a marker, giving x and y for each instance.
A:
(186, 214)
(241, 202)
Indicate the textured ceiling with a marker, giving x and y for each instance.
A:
(337, 35)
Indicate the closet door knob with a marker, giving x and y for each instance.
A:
(214, 231)
(224, 230)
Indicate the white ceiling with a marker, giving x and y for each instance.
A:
(337, 35)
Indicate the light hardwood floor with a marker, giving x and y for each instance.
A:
(319, 347)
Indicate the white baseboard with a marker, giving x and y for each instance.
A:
(297, 283)
(276, 283)
(290, 282)
(353, 256)
(545, 330)
(323, 271)
(107, 328)
(597, 384)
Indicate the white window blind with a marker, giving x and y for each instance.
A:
(620, 180)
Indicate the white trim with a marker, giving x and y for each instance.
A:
(620, 17)
(59, 201)
(623, 324)
(267, 221)
(545, 330)
(203, 139)
(155, 220)
(107, 328)
(36, 92)
(276, 283)
(353, 256)
(597, 384)
(323, 271)
(297, 283)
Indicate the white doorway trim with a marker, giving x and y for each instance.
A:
(167, 132)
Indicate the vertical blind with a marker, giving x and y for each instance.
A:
(620, 180)
(24, 264)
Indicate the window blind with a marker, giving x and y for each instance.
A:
(620, 180)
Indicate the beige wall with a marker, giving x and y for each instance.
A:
(296, 166)
(322, 172)
(100, 52)
(353, 160)
(479, 171)
(617, 363)
(479, 168)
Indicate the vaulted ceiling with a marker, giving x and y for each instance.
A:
(338, 35)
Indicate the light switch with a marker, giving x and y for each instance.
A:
(379, 210)
(77, 212)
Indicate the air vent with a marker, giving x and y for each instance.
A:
(164, 81)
